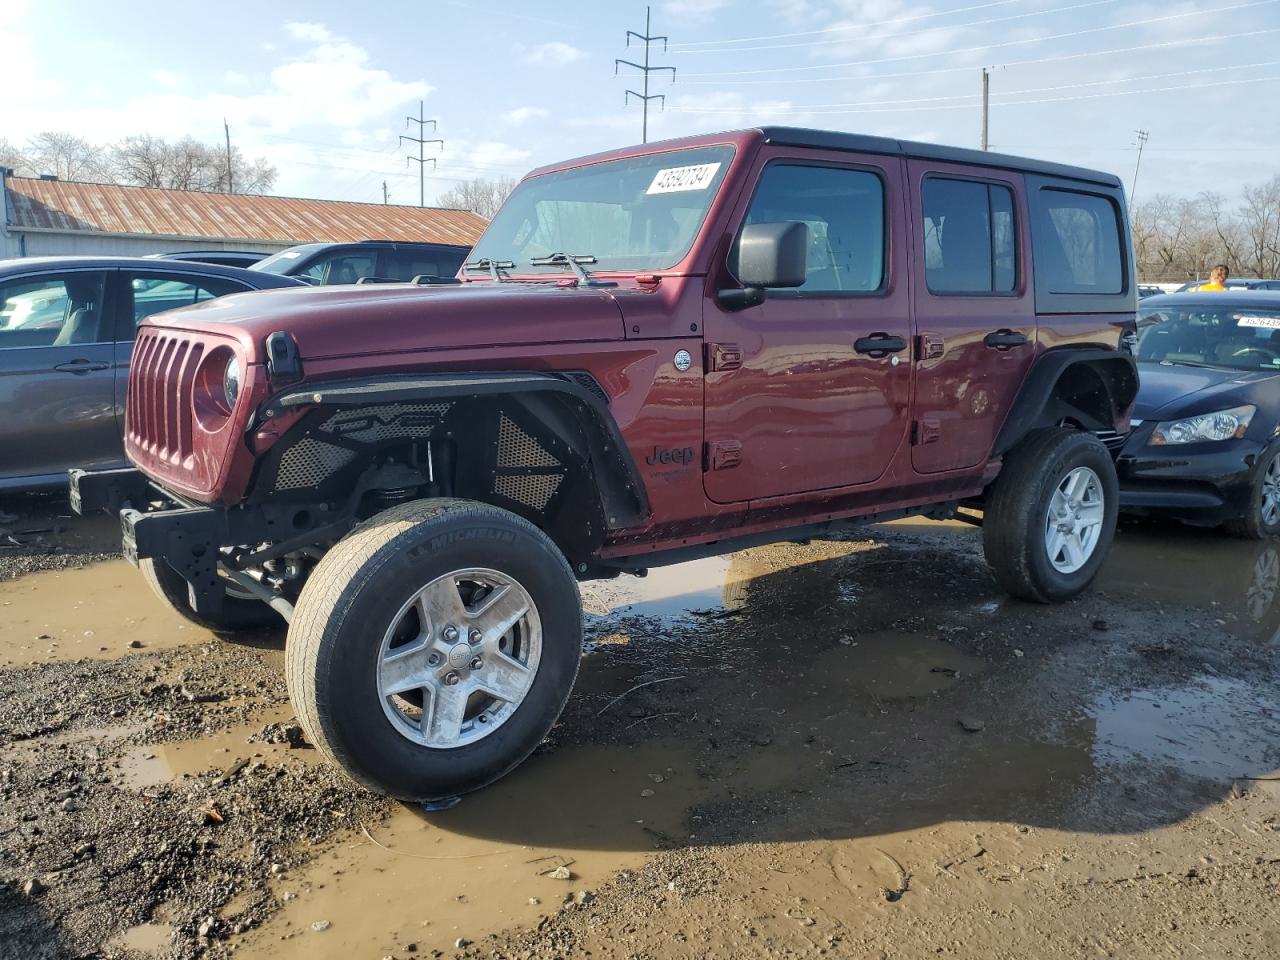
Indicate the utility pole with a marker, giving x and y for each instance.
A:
(227, 130)
(386, 197)
(644, 68)
(421, 160)
(1142, 142)
(986, 89)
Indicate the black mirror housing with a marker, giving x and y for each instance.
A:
(772, 255)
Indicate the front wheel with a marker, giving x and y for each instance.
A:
(1051, 515)
(1261, 518)
(432, 649)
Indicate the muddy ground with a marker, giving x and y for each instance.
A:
(854, 748)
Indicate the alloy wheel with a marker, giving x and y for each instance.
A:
(1074, 521)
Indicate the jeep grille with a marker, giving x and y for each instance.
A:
(158, 414)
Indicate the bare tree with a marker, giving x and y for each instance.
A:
(479, 195)
(1259, 224)
(187, 164)
(66, 156)
(14, 159)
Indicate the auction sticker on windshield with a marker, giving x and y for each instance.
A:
(681, 179)
(1271, 323)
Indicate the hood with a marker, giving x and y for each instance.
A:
(1167, 390)
(345, 321)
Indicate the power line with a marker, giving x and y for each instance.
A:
(645, 70)
(1057, 58)
(915, 32)
(1007, 103)
(847, 26)
(967, 98)
(989, 46)
(420, 159)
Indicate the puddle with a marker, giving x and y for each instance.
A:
(667, 593)
(93, 611)
(146, 938)
(477, 867)
(1210, 727)
(153, 764)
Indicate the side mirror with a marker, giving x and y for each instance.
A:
(767, 255)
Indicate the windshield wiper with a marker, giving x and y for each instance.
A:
(1188, 363)
(493, 266)
(574, 261)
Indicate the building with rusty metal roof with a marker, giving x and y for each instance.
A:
(46, 216)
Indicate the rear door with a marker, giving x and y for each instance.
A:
(141, 293)
(406, 261)
(810, 390)
(975, 311)
(56, 401)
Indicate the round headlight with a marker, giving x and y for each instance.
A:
(231, 382)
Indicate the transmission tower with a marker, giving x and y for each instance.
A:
(1142, 136)
(421, 159)
(645, 69)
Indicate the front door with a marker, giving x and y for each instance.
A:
(56, 377)
(810, 390)
(975, 310)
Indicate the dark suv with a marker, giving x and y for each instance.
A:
(370, 260)
(663, 352)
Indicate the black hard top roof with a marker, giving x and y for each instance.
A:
(834, 140)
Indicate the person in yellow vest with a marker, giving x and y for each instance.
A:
(1217, 279)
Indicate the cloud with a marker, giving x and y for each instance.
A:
(555, 53)
(235, 78)
(308, 32)
(692, 12)
(165, 78)
(524, 114)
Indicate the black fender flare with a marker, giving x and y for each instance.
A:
(1115, 371)
(623, 498)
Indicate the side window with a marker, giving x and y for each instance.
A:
(844, 210)
(342, 268)
(1078, 243)
(970, 237)
(53, 311)
(407, 264)
(157, 292)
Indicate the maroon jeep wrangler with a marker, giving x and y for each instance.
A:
(659, 353)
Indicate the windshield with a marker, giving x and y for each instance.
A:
(636, 214)
(281, 263)
(1241, 338)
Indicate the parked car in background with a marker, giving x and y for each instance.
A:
(66, 334)
(1235, 283)
(1204, 445)
(224, 258)
(323, 264)
(1148, 290)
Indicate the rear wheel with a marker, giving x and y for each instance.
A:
(1051, 515)
(432, 649)
(239, 611)
(1262, 517)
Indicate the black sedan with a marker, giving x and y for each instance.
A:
(66, 335)
(1205, 445)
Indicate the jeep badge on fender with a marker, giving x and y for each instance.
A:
(418, 496)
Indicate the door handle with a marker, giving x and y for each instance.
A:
(879, 344)
(81, 366)
(1004, 339)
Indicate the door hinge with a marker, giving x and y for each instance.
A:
(723, 356)
(723, 454)
(930, 346)
(925, 431)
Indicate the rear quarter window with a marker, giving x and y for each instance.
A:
(1081, 252)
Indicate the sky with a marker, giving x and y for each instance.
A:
(322, 90)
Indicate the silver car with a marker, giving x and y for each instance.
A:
(66, 335)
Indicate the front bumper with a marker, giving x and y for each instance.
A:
(1201, 483)
(153, 526)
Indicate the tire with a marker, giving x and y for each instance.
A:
(356, 619)
(1016, 527)
(1261, 520)
(238, 614)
